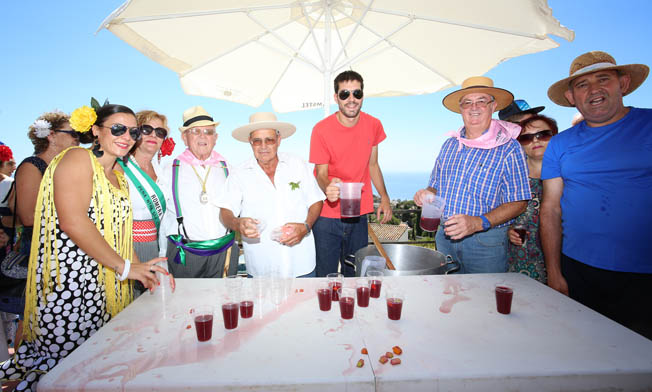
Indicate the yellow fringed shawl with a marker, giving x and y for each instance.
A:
(105, 199)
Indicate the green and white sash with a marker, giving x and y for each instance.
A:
(148, 189)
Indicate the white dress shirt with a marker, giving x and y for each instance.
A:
(201, 221)
(250, 193)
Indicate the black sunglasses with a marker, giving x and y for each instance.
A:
(527, 138)
(119, 130)
(161, 133)
(344, 94)
(72, 133)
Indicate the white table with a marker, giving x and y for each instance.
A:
(452, 337)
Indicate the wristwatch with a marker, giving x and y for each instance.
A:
(307, 227)
(486, 225)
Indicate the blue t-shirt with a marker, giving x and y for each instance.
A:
(606, 204)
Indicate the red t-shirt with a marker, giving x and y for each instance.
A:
(347, 152)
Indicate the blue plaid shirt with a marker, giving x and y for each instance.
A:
(474, 181)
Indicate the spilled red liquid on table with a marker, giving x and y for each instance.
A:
(452, 286)
(109, 364)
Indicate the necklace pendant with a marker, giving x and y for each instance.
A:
(203, 197)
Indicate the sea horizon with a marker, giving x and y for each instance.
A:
(403, 185)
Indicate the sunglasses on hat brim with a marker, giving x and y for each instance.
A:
(527, 138)
(146, 129)
(344, 94)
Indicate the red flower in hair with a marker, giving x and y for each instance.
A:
(6, 154)
(167, 147)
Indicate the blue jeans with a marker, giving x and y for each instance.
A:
(482, 252)
(336, 239)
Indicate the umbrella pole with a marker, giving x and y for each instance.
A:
(327, 56)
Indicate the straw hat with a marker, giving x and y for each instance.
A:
(196, 116)
(263, 120)
(592, 62)
(478, 84)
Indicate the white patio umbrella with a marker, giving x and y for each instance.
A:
(289, 51)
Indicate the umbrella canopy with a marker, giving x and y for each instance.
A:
(290, 51)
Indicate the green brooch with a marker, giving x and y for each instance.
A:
(294, 185)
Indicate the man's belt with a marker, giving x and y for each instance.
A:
(200, 248)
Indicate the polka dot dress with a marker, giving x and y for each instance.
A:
(71, 313)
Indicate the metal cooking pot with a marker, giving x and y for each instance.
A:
(410, 260)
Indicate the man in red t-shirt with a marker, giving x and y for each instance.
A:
(344, 148)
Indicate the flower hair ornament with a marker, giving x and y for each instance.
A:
(82, 119)
(5, 153)
(166, 148)
(42, 128)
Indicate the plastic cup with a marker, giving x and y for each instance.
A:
(395, 299)
(203, 317)
(504, 295)
(324, 296)
(247, 296)
(362, 291)
(336, 282)
(431, 212)
(375, 282)
(347, 303)
(350, 195)
(521, 230)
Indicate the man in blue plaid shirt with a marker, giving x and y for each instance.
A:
(482, 175)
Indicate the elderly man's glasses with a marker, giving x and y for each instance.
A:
(480, 103)
(70, 132)
(201, 131)
(161, 133)
(344, 94)
(120, 129)
(257, 142)
(527, 138)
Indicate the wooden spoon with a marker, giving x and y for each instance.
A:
(380, 248)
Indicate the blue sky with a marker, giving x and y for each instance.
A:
(52, 59)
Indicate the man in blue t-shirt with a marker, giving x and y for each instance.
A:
(596, 213)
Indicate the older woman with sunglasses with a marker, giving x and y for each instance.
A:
(525, 253)
(79, 269)
(147, 198)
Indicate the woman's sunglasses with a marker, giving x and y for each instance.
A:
(119, 130)
(527, 138)
(344, 94)
(75, 135)
(161, 133)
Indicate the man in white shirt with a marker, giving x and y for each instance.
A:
(194, 240)
(272, 193)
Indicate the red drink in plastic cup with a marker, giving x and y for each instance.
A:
(346, 307)
(230, 313)
(362, 294)
(504, 296)
(336, 287)
(429, 224)
(375, 288)
(394, 308)
(325, 299)
(204, 327)
(246, 309)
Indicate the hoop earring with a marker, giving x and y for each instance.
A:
(96, 149)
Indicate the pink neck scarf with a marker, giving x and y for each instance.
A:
(499, 133)
(190, 158)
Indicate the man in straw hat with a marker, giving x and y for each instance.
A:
(344, 148)
(197, 245)
(597, 181)
(273, 200)
(482, 175)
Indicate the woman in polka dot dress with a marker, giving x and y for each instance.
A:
(85, 231)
